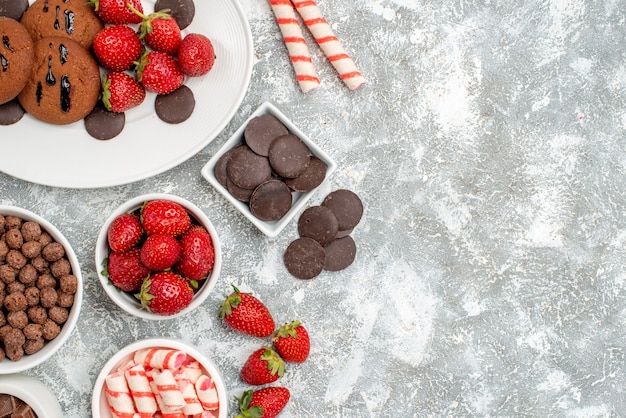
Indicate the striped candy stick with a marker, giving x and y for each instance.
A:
(296, 45)
(140, 391)
(118, 396)
(329, 43)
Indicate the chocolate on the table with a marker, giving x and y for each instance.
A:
(346, 206)
(319, 223)
(304, 258)
(340, 253)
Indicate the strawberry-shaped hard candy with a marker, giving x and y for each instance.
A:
(263, 366)
(124, 232)
(196, 55)
(165, 293)
(266, 402)
(125, 269)
(117, 47)
(245, 313)
(159, 72)
(160, 252)
(292, 342)
(197, 255)
(117, 11)
(121, 92)
(163, 216)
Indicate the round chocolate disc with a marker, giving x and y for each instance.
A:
(103, 124)
(310, 178)
(11, 112)
(346, 206)
(238, 193)
(271, 200)
(289, 156)
(340, 253)
(247, 169)
(183, 11)
(221, 174)
(304, 258)
(319, 223)
(175, 107)
(261, 131)
(13, 8)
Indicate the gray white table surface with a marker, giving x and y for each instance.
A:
(488, 148)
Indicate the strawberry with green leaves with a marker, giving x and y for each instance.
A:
(161, 216)
(196, 55)
(197, 256)
(117, 11)
(160, 31)
(263, 366)
(245, 313)
(159, 72)
(292, 342)
(125, 269)
(124, 232)
(160, 252)
(117, 47)
(165, 293)
(263, 403)
(121, 92)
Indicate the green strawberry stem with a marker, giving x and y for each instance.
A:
(145, 27)
(232, 301)
(286, 330)
(244, 406)
(275, 364)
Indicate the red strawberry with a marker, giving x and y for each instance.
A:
(164, 217)
(159, 72)
(263, 403)
(245, 313)
(117, 11)
(292, 342)
(117, 47)
(165, 293)
(198, 254)
(124, 232)
(121, 92)
(263, 366)
(196, 55)
(160, 252)
(125, 269)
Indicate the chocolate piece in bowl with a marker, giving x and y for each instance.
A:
(288, 156)
(271, 200)
(261, 131)
(310, 178)
(247, 169)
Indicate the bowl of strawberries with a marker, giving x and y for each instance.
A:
(158, 256)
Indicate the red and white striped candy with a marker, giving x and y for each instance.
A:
(192, 403)
(164, 411)
(168, 389)
(207, 393)
(118, 396)
(140, 391)
(329, 43)
(160, 358)
(296, 45)
(190, 371)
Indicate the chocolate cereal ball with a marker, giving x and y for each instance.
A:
(3, 223)
(13, 238)
(7, 273)
(53, 251)
(32, 295)
(46, 280)
(37, 314)
(4, 330)
(65, 300)
(17, 319)
(31, 249)
(68, 283)
(45, 239)
(16, 259)
(14, 353)
(31, 231)
(48, 297)
(13, 222)
(15, 302)
(60, 268)
(58, 314)
(33, 331)
(14, 337)
(31, 346)
(15, 287)
(51, 329)
(40, 264)
(4, 250)
(27, 275)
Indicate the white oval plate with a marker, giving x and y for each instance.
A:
(67, 156)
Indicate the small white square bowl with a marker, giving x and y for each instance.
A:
(271, 229)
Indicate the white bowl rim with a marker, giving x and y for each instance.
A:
(33, 392)
(270, 229)
(179, 344)
(101, 252)
(28, 361)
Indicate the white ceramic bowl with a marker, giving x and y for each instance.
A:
(127, 301)
(7, 366)
(271, 229)
(99, 404)
(31, 391)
